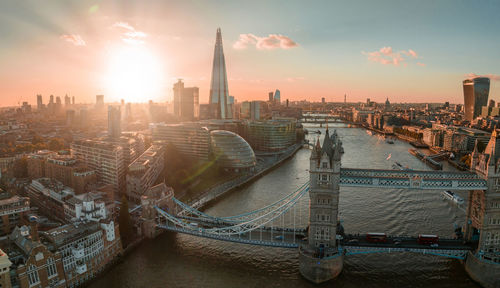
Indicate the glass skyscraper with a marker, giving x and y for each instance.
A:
(219, 93)
(476, 92)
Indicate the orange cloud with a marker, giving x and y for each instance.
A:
(273, 41)
(73, 39)
(387, 56)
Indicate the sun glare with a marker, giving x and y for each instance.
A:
(134, 74)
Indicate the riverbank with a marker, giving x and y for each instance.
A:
(269, 163)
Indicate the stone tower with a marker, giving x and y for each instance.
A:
(483, 216)
(320, 259)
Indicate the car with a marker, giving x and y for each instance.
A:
(434, 245)
(353, 241)
(279, 237)
(397, 241)
(193, 224)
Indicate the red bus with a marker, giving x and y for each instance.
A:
(376, 237)
(427, 239)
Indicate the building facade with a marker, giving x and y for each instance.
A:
(106, 159)
(13, 211)
(191, 139)
(219, 92)
(144, 171)
(186, 101)
(476, 93)
(271, 135)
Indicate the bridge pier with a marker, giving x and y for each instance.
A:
(484, 273)
(319, 270)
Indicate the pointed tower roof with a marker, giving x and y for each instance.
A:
(219, 93)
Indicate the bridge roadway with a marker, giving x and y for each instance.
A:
(350, 243)
(411, 179)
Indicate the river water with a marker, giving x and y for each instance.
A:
(177, 260)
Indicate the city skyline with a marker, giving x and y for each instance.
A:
(78, 49)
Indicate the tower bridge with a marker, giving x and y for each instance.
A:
(322, 245)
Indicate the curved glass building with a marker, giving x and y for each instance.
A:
(231, 151)
(476, 92)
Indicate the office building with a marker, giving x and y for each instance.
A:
(144, 171)
(36, 163)
(67, 101)
(191, 139)
(70, 117)
(476, 92)
(86, 248)
(49, 196)
(99, 101)
(277, 97)
(39, 102)
(219, 92)
(71, 172)
(106, 159)
(271, 135)
(271, 97)
(186, 101)
(114, 121)
(13, 210)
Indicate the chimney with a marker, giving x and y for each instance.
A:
(34, 228)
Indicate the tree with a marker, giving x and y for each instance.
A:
(126, 229)
(20, 168)
(56, 144)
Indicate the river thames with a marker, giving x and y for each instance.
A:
(177, 260)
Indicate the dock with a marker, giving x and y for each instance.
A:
(427, 159)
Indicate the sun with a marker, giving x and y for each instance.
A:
(134, 74)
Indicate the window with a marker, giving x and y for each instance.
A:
(33, 275)
(51, 267)
(324, 165)
(324, 177)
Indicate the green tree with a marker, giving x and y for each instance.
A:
(56, 144)
(126, 229)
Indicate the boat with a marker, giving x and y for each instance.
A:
(398, 166)
(453, 197)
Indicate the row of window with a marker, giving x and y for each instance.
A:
(322, 217)
(32, 271)
(322, 233)
(494, 221)
(492, 238)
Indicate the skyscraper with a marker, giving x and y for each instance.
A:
(218, 87)
(99, 101)
(186, 101)
(39, 102)
(476, 92)
(114, 121)
(277, 97)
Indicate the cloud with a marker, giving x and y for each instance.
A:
(421, 64)
(131, 35)
(123, 25)
(387, 56)
(294, 79)
(74, 39)
(273, 41)
(493, 77)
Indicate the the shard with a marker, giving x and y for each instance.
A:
(219, 93)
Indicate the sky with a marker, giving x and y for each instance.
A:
(407, 51)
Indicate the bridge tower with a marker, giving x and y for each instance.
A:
(320, 259)
(483, 216)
